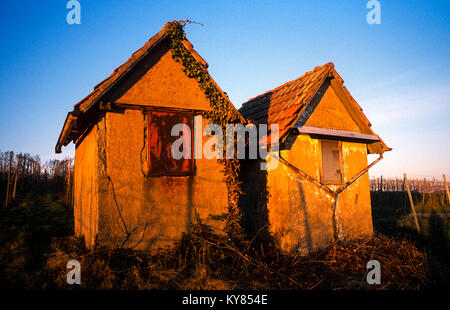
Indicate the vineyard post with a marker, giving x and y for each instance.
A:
(423, 191)
(412, 202)
(446, 187)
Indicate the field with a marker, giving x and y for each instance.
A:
(36, 241)
(393, 217)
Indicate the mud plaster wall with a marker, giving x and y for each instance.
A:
(163, 84)
(353, 211)
(86, 188)
(300, 213)
(141, 212)
(145, 213)
(331, 113)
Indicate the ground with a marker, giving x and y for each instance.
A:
(36, 243)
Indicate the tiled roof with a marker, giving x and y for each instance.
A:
(282, 104)
(70, 125)
(104, 85)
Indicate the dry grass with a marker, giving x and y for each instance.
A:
(203, 260)
(36, 244)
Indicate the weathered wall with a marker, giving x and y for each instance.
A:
(331, 113)
(135, 211)
(354, 212)
(141, 212)
(86, 187)
(301, 213)
(163, 84)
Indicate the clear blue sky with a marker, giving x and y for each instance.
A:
(398, 71)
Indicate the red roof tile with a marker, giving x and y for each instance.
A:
(283, 104)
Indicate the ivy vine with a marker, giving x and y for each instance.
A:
(220, 114)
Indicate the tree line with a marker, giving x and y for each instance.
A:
(19, 172)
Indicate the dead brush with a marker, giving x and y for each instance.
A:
(205, 257)
(342, 265)
(204, 260)
(403, 266)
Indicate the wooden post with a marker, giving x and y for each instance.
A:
(15, 185)
(446, 187)
(8, 190)
(411, 202)
(68, 187)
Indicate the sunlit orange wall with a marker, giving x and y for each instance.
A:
(155, 210)
(300, 213)
(86, 187)
(135, 211)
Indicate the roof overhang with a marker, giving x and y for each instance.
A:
(335, 133)
(66, 133)
(72, 126)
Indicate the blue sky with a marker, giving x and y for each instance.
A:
(398, 71)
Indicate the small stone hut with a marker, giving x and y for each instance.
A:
(320, 189)
(128, 190)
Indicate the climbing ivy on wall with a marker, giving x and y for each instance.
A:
(220, 114)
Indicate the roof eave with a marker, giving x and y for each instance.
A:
(69, 124)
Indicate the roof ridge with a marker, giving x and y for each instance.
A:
(104, 86)
(330, 66)
(130, 61)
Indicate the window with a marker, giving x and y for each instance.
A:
(331, 162)
(160, 140)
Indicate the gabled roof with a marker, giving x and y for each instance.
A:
(284, 104)
(70, 130)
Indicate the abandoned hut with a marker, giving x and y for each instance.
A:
(320, 189)
(128, 189)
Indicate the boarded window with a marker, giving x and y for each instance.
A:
(160, 141)
(331, 162)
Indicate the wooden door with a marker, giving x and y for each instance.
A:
(331, 162)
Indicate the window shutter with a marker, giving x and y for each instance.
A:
(160, 140)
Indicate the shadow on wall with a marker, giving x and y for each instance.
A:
(253, 201)
(305, 218)
(255, 197)
(189, 204)
(254, 207)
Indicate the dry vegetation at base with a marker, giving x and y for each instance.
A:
(36, 229)
(204, 261)
(36, 245)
